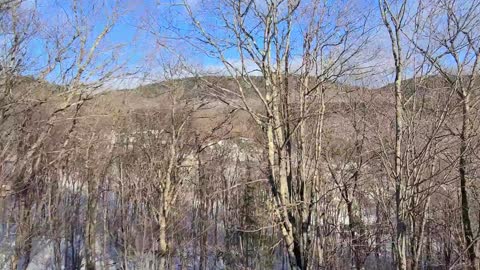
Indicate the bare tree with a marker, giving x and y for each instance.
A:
(394, 21)
(452, 51)
(286, 94)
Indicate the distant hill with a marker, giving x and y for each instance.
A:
(104, 110)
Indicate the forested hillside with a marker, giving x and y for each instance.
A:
(239, 134)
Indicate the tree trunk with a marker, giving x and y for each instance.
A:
(90, 228)
(400, 188)
(462, 169)
(162, 239)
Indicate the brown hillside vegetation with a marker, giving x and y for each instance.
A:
(251, 134)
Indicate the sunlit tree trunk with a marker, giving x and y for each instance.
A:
(394, 23)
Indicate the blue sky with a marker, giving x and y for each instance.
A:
(142, 37)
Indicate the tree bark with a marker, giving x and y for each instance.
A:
(462, 170)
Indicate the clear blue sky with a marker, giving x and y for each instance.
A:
(144, 26)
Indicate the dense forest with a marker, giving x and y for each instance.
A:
(239, 134)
